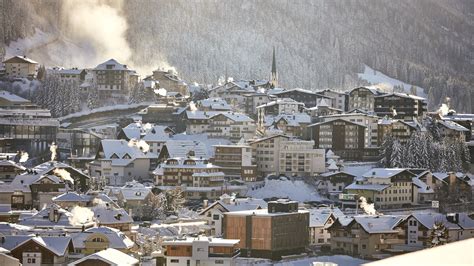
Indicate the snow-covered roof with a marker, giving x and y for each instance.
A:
(339, 119)
(110, 215)
(370, 89)
(329, 174)
(280, 101)
(404, 95)
(379, 224)
(429, 219)
(121, 148)
(12, 241)
(4, 163)
(291, 119)
(212, 241)
(383, 172)
(294, 90)
(57, 245)
(110, 256)
(214, 104)
(157, 133)
(440, 176)
(422, 186)
(71, 71)
(134, 191)
(42, 218)
(10, 97)
(319, 217)
(71, 197)
(375, 187)
(237, 204)
(452, 125)
(188, 162)
(182, 148)
(22, 59)
(115, 65)
(115, 238)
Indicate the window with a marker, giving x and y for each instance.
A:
(364, 246)
(215, 217)
(219, 262)
(174, 261)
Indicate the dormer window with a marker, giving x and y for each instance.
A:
(126, 156)
(114, 156)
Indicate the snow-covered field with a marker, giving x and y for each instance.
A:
(295, 190)
(375, 77)
(341, 260)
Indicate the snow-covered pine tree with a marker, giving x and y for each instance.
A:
(93, 98)
(396, 159)
(439, 234)
(386, 150)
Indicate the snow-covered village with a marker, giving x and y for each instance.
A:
(114, 151)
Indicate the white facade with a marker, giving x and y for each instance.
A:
(369, 121)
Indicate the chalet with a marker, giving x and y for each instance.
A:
(10, 169)
(331, 184)
(289, 124)
(320, 220)
(385, 187)
(44, 250)
(170, 81)
(101, 238)
(119, 161)
(367, 236)
(450, 129)
(20, 67)
(182, 149)
(307, 97)
(73, 75)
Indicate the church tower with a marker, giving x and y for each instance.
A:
(274, 75)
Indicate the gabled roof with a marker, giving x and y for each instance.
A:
(116, 65)
(109, 256)
(134, 191)
(329, 174)
(422, 186)
(428, 220)
(71, 197)
(319, 217)
(374, 187)
(403, 95)
(379, 224)
(237, 204)
(383, 172)
(57, 245)
(20, 59)
(12, 97)
(110, 215)
(182, 148)
(115, 237)
(41, 218)
(121, 148)
(339, 119)
(291, 119)
(453, 125)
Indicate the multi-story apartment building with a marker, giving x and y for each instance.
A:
(339, 99)
(252, 100)
(367, 236)
(400, 106)
(398, 129)
(73, 75)
(362, 98)
(235, 92)
(193, 172)
(25, 126)
(233, 126)
(271, 233)
(450, 129)
(119, 162)
(202, 250)
(289, 124)
(279, 106)
(169, 80)
(309, 98)
(344, 138)
(331, 184)
(369, 121)
(114, 79)
(236, 161)
(281, 155)
(20, 67)
(385, 187)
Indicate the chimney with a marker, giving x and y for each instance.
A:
(205, 203)
(83, 228)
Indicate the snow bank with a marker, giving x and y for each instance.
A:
(375, 77)
(295, 190)
(341, 260)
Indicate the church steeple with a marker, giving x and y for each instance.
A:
(274, 75)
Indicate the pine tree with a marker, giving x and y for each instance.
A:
(439, 235)
(396, 159)
(386, 151)
(93, 98)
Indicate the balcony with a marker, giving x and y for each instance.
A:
(225, 255)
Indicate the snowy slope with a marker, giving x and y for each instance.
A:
(375, 77)
(296, 190)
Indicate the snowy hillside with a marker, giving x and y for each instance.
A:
(284, 188)
(383, 81)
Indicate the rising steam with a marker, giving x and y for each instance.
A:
(24, 157)
(100, 25)
(81, 215)
(53, 149)
(140, 144)
(369, 209)
(64, 175)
